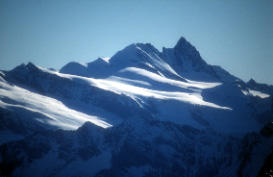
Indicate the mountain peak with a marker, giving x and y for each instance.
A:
(147, 47)
(25, 67)
(183, 44)
(186, 52)
(134, 53)
(252, 81)
(183, 59)
(74, 68)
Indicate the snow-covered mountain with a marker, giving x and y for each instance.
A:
(141, 112)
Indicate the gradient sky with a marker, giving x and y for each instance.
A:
(235, 34)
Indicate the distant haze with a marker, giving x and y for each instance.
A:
(235, 34)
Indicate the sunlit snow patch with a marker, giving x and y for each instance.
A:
(106, 59)
(122, 87)
(59, 115)
(255, 93)
(134, 91)
(181, 84)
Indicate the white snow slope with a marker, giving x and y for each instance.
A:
(59, 115)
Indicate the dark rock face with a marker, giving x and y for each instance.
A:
(258, 86)
(267, 131)
(185, 52)
(176, 153)
(267, 169)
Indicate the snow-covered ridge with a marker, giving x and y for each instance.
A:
(58, 114)
(134, 91)
(180, 63)
(159, 78)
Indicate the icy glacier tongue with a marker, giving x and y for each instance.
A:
(141, 112)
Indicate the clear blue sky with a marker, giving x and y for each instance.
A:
(235, 34)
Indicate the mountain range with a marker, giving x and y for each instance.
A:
(142, 112)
